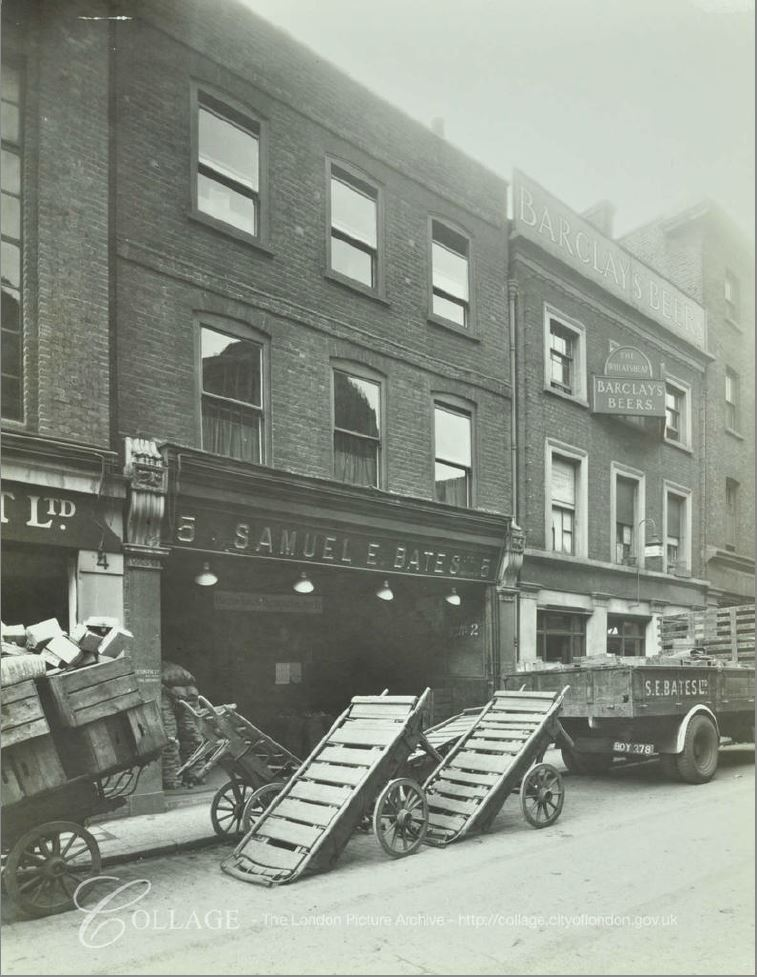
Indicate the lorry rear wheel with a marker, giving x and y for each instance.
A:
(699, 760)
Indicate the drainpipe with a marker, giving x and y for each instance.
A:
(512, 293)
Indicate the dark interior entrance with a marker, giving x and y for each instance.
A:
(34, 584)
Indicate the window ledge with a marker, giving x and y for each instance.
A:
(579, 401)
(734, 433)
(681, 447)
(437, 320)
(355, 286)
(230, 231)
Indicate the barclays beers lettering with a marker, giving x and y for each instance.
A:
(676, 686)
(630, 395)
(543, 218)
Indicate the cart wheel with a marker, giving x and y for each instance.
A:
(400, 817)
(47, 864)
(542, 795)
(228, 807)
(257, 802)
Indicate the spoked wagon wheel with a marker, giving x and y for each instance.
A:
(542, 795)
(400, 817)
(257, 802)
(47, 864)
(228, 807)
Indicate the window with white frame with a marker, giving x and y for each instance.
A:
(731, 399)
(453, 455)
(450, 271)
(357, 429)
(626, 519)
(228, 165)
(353, 246)
(677, 531)
(232, 395)
(564, 479)
(564, 356)
(731, 295)
(677, 413)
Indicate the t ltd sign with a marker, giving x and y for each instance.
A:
(544, 219)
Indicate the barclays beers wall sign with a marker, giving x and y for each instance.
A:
(542, 218)
(629, 386)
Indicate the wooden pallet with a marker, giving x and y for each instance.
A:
(310, 822)
(472, 782)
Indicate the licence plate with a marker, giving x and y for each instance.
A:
(633, 749)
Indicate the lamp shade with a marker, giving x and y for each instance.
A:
(303, 584)
(206, 577)
(454, 598)
(385, 591)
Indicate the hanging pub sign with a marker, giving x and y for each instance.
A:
(628, 386)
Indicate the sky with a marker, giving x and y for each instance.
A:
(646, 103)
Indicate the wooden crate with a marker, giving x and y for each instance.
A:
(11, 789)
(84, 695)
(146, 728)
(99, 748)
(35, 765)
(21, 714)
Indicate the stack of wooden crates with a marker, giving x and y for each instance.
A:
(90, 722)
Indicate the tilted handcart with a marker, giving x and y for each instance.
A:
(257, 766)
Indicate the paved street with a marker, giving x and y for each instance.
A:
(638, 876)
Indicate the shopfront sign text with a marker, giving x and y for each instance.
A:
(35, 514)
(298, 542)
(557, 229)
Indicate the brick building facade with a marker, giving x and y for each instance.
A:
(596, 486)
(703, 252)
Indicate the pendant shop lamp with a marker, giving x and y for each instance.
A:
(303, 584)
(454, 598)
(206, 577)
(385, 591)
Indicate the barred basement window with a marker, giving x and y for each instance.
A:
(232, 396)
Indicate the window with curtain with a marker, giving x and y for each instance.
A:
(453, 457)
(449, 274)
(232, 395)
(674, 536)
(626, 490)
(228, 165)
(354, 228)
(563, 488)
(357, 429)
(11, 354)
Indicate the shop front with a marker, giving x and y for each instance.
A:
(289, 595)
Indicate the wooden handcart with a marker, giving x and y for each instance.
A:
(502, 752)
(308, 825)
(257, 766)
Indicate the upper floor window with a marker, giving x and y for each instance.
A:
(563, 490)
(678, 413)
(731, 513)
(11, 353)
(566, 500)
(357, 429)
(731, 295)
(731, 399)
(232, 395)
(354, 228)
(453, 455)
(565, 356)
(626, 511)
(228, 165)
(677, 522)
(450, 272)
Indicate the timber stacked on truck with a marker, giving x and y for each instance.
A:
(676, 705)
